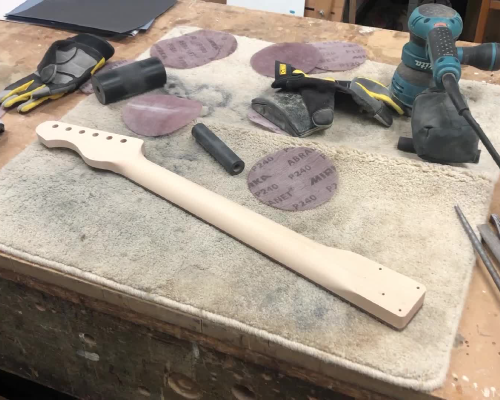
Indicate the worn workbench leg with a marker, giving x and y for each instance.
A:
(92, 355)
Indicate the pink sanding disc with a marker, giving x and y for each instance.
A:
(293, 179)
(87, 86)
(258, 119)
(159, 114)
(194, 49)
(302, 56)
(318, 71)
(339, 56)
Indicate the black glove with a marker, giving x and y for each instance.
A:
(318, 97)
(318, 94)
(67, 64)
(302, 107)
(373, 97)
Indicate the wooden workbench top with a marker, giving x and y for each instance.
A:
(475, 363)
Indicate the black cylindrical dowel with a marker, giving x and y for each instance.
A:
(218, 149)
(129, 80)
(406, 144)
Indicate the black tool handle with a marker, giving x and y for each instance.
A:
(441, 44)
(130, 80)
(218, 149)
(485, 56)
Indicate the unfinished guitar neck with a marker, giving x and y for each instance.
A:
(384, 293)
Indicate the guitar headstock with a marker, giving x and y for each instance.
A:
(99, 149)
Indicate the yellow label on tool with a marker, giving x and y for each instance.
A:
(282, 69)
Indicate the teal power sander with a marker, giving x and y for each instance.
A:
(425, 85)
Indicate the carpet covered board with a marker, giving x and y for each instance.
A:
(389, 207)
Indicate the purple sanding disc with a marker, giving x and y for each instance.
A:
(293, 179)
(258, 119)
(302, 56)
(318, 71)
(87, 86)
(194, 49)
(159, 114)
(339, 56)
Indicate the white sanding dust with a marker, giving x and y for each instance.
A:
(393, 210)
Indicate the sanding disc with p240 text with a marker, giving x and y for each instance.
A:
(293, 179)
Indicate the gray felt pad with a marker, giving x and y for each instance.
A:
(301, 55)
(159, 114)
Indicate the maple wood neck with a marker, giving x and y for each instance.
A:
(391, 297)
(388, 295)
(240, 222)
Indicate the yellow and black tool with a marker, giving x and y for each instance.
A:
(66, 65)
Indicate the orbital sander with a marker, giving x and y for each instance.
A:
(425, 85)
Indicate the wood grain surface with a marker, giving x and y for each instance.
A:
(475, 364)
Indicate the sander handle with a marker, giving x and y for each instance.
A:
(485, 56)
(443, 54)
